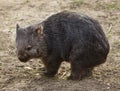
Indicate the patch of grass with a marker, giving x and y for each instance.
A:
(114, 18)
(115, 48)
(25, 2)
(113, 5)
(117, 43)
(77, 3)
(0, 64)
(109, 35)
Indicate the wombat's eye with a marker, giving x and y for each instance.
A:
(29, 47)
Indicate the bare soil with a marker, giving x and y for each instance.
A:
(17, 76)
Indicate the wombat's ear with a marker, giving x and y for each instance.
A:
(17, 26)
(39, 30)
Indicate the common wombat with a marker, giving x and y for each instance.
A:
(65, 36)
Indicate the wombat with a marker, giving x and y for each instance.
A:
(65, 36)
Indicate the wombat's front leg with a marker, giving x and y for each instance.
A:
(52, 65)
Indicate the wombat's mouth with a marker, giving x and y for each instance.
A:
(23, 59)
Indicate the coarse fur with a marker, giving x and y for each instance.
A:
(65, 36)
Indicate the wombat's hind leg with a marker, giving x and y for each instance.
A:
(75, 72)
(78, 73)
(86, 72)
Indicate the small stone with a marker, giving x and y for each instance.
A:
(108, 87)
(29, 68)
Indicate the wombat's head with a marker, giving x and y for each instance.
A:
(29, 42)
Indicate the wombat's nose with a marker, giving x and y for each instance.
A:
(23, 58)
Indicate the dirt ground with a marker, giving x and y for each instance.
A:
(17, 76)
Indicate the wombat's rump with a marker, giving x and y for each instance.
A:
(65, 36)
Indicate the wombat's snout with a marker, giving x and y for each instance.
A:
(23, 57)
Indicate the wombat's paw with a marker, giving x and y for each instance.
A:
(47, 74)
(69, 78)
(74, 78)
(86, 73)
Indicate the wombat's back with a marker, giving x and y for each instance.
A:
(66, 31)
